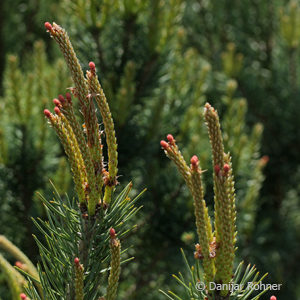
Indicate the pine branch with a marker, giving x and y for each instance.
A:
(77, 247)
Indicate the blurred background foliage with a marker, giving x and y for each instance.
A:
(159, 62)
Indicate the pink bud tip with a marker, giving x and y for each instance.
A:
(194, 161)
(48, 26)
(226, 168)
(23, 296)
(69, 97)
(47, 113)
(61, 98)
(273, 298)
(56, 102)
(92, 66)
(57, 110)
(164, 144)
(18, 264)
(76, 260)
(112, 233)
(265, 159)
(217, 169)
(170, 139)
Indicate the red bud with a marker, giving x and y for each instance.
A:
(57, 110)
(217, 169)
(76, 260)
(56, 102)
(18, 264)
(47, 113)
(171, 139)
(226, 168)
(112, 233)
(92, 66)
(61, 98)
(48, 26)
(69, 97)
(23, 296)
(194, 161)
(273, 298)
(164, 144)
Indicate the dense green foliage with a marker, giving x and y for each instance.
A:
(159, 62)
(27, 150)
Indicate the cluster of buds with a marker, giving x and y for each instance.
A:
(216, 248)
(83, 144)
(213, 246)
(223, 172)
(94, 180)
(172, 151)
